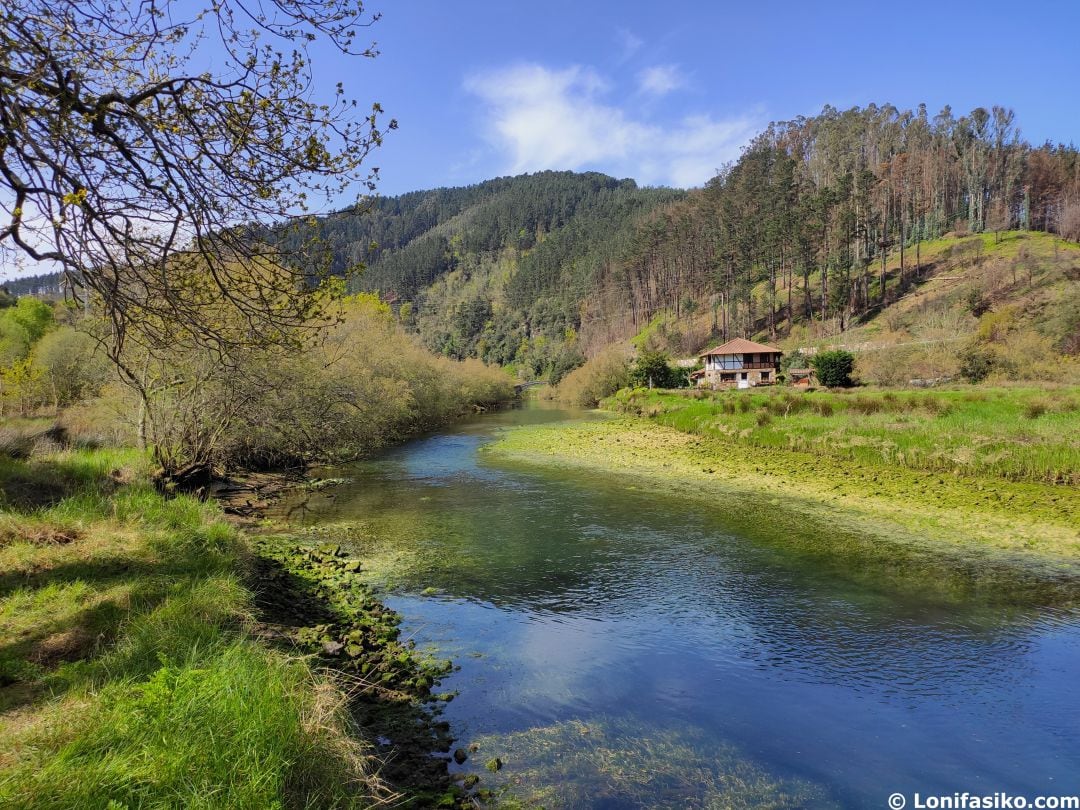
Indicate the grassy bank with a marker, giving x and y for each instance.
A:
(130, 670)
(979, 527)
(1018, 434)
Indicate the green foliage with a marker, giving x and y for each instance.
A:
(651, 369)
(122, 639)
(33, 315)
(833, 368)
(72, 366)
(976, 302)
(976, 363)
(570, 359)
(14, 342)
(484, 269)
(43, 364)
(363, 385)
(598, 378)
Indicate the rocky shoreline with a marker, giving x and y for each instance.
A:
(312, 600)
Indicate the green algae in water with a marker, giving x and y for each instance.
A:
(899, 541)
(608, 761)
(586, 594)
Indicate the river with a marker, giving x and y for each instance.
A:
(625, 648)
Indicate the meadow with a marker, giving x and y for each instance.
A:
(1013, 433)
(131, 674)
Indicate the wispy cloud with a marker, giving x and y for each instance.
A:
(629, 43)
(544, 118)
(659, 80)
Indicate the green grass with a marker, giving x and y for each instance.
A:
(1017, 434)
(129, 676)
(1013, 539)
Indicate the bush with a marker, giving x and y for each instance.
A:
(866, 405)
(363, 384)
(833, 368)
(976, 363)
(72, 366)
(599, 377)
(1036, 408)
(566, 362)
(652, 369)
(976, 303)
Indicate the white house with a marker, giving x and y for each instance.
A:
(740, 363)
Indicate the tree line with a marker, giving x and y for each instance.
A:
(803, 224)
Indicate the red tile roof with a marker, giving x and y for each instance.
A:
(740, 346)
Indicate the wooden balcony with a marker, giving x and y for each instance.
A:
(743, 367)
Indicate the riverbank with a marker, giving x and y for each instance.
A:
(1011, 433)
(1005, 538)
(147, 658)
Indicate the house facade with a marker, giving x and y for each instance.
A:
(740, 363)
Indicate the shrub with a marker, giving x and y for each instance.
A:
(652, 369)
(786, 404)
(599, 377)
(1036, 408)
(976, 303)
(865, 405)
(566, 362)
(976, 363)
(833, 368)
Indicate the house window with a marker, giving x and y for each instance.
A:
(743, 375)
(764, 375)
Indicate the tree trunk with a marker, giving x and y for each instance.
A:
(903, 237)
(884, 257)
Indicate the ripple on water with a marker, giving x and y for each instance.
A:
(626, 648)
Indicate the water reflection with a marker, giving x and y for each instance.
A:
(569, 597)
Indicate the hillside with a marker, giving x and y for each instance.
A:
(1011, 299)
(849, 227)
(495, 270)
(869, 227)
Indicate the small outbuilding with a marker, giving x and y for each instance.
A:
(801, 377)
(740, 363)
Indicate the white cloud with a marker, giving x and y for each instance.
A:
(660, 80)
(563, 119)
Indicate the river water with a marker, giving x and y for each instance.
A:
(625, 648)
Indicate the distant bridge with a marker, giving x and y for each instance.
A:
(527, 385)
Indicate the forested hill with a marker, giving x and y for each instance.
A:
(804, 225)
(496, 270)
(47, 284)
(406, 242)
(819, 226)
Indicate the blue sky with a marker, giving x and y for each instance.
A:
(667, 92)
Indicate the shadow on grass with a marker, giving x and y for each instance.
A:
(31, 485)
(72, 591)
(25, 663)
(391, 707)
